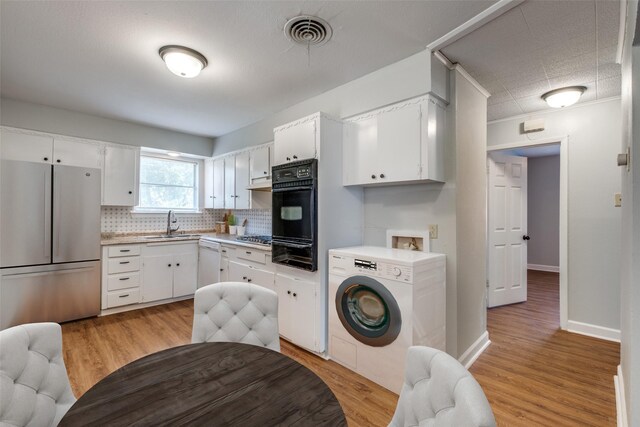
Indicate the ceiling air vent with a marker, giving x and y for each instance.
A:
(308, 30)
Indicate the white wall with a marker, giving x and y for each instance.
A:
(543, 211)
(630, 280)
(594, 222)
(64, 122)
(396, 82)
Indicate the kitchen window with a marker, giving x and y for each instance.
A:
(168, 184)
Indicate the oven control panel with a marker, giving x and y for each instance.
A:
(304, 172)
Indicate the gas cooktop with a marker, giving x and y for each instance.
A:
(262, 240)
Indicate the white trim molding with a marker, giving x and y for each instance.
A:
(459, 68)
(594, 331)
(540, 267)
(487, 15)
(621, 403)
(475, 350)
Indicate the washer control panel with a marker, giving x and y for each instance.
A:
(383, 270)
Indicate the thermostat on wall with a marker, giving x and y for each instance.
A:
(536, 125)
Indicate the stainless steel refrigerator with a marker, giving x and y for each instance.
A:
(49, 242)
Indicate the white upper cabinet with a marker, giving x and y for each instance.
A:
(259, 163)
(72, 153)
(24, 147)
(43, 148)
(297, 140)
(208, 183)
(401, 143)
(218, 183)
(229, 182)
(120, 176)
(243, 196)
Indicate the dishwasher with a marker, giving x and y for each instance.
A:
(208, 262)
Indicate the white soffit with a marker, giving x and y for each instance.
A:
(539, 46)
(101, 57)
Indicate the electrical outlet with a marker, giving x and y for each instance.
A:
(617, 200)
(433, 231)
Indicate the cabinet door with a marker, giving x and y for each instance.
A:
(119, 176)
(185, 274)
(360, 152)
(243, 196)
(230, 182)
(284, 286)
(157, 277)
(303, 312)
(72, 153)
(224, 269)
(295, 143)
(259, 163)
(27, 148)
(218, 183)
(262, 278)
(208, 183)
(238, 272)
(398, 148)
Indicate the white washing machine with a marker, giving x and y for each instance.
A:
(381, 302)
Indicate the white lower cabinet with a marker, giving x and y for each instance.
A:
(120, 275)
(239, 272)
(296, 310)
(169, 271)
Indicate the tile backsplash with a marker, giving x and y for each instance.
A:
(117, 219)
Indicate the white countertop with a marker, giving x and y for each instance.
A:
(139, 238)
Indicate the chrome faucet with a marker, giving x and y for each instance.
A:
(171, 219)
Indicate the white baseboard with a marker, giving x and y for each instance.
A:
(621, 404)
(476, 349)
(540, 267)
(593, 331)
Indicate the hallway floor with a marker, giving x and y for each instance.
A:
(536, 374)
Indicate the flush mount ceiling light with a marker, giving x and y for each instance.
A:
(564, 97)
(182, 61)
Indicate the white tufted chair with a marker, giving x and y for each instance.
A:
(34, 387)
(236, 312)
(439, 392)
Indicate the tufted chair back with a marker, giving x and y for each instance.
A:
(34, 387)
(439, 392)
(236, 312)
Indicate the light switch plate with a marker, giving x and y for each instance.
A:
(433, 231)
(617, 200)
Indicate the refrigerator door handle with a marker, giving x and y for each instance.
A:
(56, 214)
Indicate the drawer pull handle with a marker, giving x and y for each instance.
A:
(124, 278)
(123, 296)
(125, 250)
(124, 262)
(249, 280)
(222, 269)
(248, 253)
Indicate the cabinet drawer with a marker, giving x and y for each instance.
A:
(124, 297)
(124, 264)
(252, 255)
(227, 251)
(123, 250)
(122, 281)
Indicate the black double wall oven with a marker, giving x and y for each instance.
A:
(295, 214)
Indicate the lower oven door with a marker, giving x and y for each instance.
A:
(299, 254)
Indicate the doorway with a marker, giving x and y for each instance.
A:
(527, 219)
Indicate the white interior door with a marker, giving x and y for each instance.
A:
(507, 230)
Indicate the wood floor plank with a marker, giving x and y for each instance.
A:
(533, 373)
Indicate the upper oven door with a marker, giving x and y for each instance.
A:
(294, 214)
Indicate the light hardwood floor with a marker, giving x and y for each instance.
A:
(533, 373)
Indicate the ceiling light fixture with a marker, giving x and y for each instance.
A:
(182, 61)
(563, 97)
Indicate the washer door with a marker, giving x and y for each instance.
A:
(368, 311)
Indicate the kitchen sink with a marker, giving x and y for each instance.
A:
(172, 236)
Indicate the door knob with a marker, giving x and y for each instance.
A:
(288, 158)
(295, 157)
(525, 237)
(373, 177)
(381, 175)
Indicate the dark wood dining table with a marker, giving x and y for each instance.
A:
(212, 384)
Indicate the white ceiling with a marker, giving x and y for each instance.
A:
(539, 46)
(101, 57)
